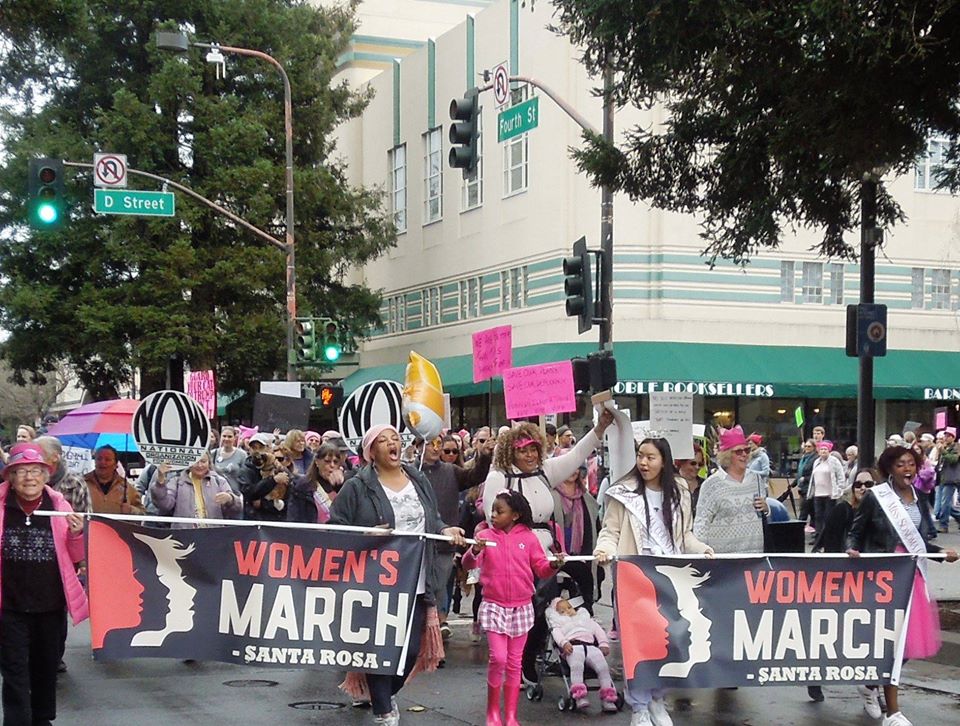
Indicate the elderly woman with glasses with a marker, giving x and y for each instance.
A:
(39, 586)
(733, 501)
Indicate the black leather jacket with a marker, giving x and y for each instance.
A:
(871, 531)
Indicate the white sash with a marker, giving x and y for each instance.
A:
(657, 538)
(892, 506)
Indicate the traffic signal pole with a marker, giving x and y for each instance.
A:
(606, 227)
(866, 408)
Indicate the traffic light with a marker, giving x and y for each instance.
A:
(329, 396)
(46, 207)
(330, 344)
(306, 340)
(465, 132)
(578, 285)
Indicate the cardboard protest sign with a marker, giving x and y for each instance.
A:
(492, 352)
(752, 621)
(276, 597)
(170, 428)
(280, 412)
(533, 390)
(671, 414)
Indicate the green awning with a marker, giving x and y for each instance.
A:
(716, 369)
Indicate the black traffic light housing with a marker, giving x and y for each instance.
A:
(46, 206)
(465, 132)
(595, 373)
(578, 285)
(329, 396)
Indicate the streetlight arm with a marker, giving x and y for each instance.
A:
(566, 107)
(200, 198)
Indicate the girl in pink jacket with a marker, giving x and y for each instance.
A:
(507, 573)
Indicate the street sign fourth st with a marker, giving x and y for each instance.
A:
(518, 119)
(142, 203)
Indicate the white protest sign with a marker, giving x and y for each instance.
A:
(77, 459)
(170, 428)
(671, 415)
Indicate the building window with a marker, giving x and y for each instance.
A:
(391, 315)
(432, 176)
(787, 281)
(930, 164)
(397, 314)
(916, 288)
(471, 195)
(939, 289)
(398, 186)
(836, 284)
(812, 291)
(515, 152)
(518, 287)
(475, 296)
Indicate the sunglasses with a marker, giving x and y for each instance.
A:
(481, 441)
(451, 451)
(862, 484)
(740, 452)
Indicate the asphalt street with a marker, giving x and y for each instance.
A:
(159, 692)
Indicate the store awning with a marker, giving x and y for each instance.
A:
(715, 369)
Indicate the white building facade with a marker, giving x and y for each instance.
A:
(753, 344)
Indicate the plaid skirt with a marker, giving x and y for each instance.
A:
(508, 621)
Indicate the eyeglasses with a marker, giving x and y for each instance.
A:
(451, 451)
(481, 441)
(28, 471)
(740, 452)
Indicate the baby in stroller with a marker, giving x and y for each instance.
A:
(581, 640)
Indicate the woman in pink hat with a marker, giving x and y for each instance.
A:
(396, 496)
(732, 501)
(38, 585)
(828, 480)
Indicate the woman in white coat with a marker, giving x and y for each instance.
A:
(648, 512)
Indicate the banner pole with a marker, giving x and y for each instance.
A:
(141, 518)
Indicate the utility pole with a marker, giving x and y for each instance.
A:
(866, 414)
(606, 226)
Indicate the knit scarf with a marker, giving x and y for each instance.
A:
(573, 517)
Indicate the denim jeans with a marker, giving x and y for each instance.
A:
(947, 509)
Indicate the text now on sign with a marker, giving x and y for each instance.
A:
(142, 203)
(518, 119)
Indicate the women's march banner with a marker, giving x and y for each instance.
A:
(270, 597)
(752, 621)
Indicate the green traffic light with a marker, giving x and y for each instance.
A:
(331, 353)
(47, 213)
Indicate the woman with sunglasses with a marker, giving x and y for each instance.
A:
(451, 450)
(833, 538)
(890, 519)
(732, 501)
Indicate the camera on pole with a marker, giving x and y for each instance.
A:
(465, 132)
(46, 205)
(578, 285)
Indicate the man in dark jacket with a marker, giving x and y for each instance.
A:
(257, 480)
(448, 481)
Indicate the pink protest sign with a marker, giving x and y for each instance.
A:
(533, 390)
(940, 420)
(492, 352)
(202, 389)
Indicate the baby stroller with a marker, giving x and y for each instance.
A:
(551, 661)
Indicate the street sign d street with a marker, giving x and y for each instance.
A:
(134, 202)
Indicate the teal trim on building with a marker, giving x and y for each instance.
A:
(352, 56)
(471, 53)
(396, 102)
(383, 40)
(431, 83)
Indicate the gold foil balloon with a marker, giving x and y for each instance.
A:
(422, 400)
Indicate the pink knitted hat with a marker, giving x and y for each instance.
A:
(366, 445)
(732, 438)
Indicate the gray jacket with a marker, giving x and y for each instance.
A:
(361, 502)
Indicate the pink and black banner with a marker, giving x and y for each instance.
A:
(268, 597)
(752, 621)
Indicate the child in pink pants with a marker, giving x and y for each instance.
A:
(507, 573)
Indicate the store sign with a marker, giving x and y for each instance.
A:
(941, 394)
(633, 388)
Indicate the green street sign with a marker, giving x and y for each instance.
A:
(518, 119)
(131, 201)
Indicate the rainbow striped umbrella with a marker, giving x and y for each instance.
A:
(98, 424)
